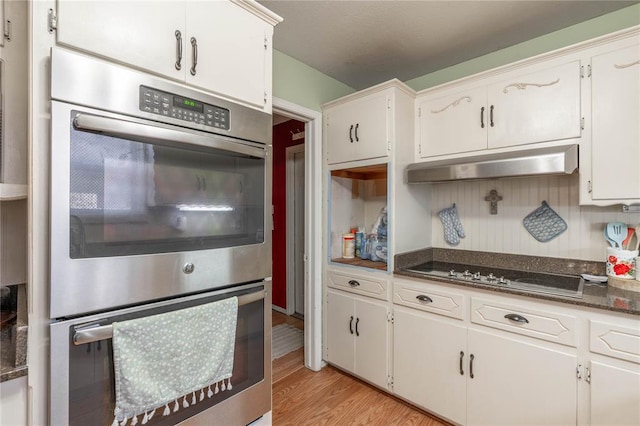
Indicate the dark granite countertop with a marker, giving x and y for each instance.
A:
(13, 339)
(600, 296)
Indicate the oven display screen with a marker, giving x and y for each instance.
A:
(190, 104)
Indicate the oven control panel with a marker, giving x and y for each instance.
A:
(181, 108)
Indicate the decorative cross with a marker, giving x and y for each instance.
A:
(493, 198)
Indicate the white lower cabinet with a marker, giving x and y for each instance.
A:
(358, 335)
(478, 378)
(614, 397)
(613, 371)
(429, 363)
(513, 381)
(482, 374)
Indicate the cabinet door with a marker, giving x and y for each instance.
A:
(615, 395)
(519, 383)
(372, 332)
(615, 105)
(138, 33)
(341, 320)
(426, 363)
(453, 124)
(231, 50)
(359, 129)
(539, 107)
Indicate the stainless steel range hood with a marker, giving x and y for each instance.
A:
(531, 162)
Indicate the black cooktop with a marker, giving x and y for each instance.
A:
(535, 282)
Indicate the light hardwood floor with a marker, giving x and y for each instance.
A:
(331, 397)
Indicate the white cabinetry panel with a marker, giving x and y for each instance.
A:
(517, 383)
(358, 129)
(453, 123)
(140, 33)
(615, 104)
(544, 325)
(615, 395)
(219, 46)
(537, 107)
(430, 363)
(232, 50)
(357, 336)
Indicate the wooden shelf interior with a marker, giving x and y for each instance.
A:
(361, 263)
(378, 171)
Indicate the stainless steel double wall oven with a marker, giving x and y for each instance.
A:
(160, 200)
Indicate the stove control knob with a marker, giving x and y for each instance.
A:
(501, 280)
(466, 274)
(491, 277)
(452, 273)
(476, 276)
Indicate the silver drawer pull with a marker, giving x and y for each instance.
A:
(354, 283)
(517, 318)
(423, 298)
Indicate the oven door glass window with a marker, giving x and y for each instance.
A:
(91, 377)
(130, 197)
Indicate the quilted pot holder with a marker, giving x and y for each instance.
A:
(544, 223)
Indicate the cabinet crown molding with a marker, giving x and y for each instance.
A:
(576, 48)
(393, 83)
(260, 11)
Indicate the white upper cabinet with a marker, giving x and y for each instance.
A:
(148, 35)
(359, 129)
(453, 123)
(232, 51)
(538, 107)
(530, 107)
(220, 46)
(615, 132)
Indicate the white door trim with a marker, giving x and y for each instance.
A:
(313, 227)
(290, 151)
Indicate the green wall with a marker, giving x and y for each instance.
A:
(299, 83)
(614, 21)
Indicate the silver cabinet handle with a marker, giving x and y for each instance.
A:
(354, 283)
(461, 358)
(357, 321)
(178, 50)
(424, 298)
(351, 133)
(194, 47)
(517, 318)
(351, 325)
(357, 125)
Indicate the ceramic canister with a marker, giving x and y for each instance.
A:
(621, 263)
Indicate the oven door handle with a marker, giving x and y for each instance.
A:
(152, 133)
(103, 332)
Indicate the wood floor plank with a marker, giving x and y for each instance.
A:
(331, 397)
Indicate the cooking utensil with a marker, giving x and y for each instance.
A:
(617, 231)
(630, 232)
(609, 240)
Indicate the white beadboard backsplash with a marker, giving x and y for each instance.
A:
(505, 233)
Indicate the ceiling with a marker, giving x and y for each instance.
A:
(362, 43)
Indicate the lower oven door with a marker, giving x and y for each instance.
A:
(82, 372)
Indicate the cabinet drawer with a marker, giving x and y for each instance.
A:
(615, 340)
(368, 286)
(425, 298)
(525, 320)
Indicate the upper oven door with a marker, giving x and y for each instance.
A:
(142, 210)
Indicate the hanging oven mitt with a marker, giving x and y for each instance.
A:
(544, 223)
(453, 230)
